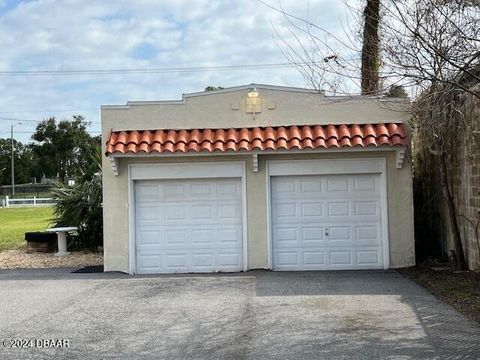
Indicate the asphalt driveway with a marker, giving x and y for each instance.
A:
(257, 315)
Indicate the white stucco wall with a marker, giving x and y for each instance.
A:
(214, 110)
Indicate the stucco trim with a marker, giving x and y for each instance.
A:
(400, 158)
(114, 165)
(331, 167)
(164, 171)
(399, 150)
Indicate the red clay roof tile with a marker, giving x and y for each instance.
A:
(248, 139)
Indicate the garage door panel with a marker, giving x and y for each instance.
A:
(367, 183)
(311, 209)
(228, 212)
(146, 238)
(315, 257)
(230, 237)
(336, 259)
(147, 191)
(286, 258)
(369, 208)
(149, 262)
(312, 235)
(285, 210)
(176, 260)
(311, 186)
(341, 257)
(201, 212)
(146, 213)
(201, 190)
(339, 233)
(338, 208)
(337, 184)
(284, 186)
(173, 191)
(326, 222)
(205, 260)
(174, 238)
(207, 238)
(229, 260)
(368, 257)
(286, 234)
(227, 189)
(202, 238)
(368, 234)
(189, 214)
(192, 226)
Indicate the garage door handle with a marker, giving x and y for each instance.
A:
(326, 232)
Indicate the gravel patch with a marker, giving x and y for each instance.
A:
(18, 259)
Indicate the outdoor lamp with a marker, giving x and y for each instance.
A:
(253, 93)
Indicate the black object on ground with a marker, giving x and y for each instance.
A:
(90, 269)
(40, 236)
(41, 241)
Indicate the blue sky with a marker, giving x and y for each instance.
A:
(103, 34)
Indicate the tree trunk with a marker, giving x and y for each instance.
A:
(452, 214)
(371, 48)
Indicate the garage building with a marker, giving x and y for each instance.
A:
(257, 176)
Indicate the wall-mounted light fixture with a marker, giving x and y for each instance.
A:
(253, 102)
(253, 93)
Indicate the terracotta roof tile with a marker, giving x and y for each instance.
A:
(248, 139)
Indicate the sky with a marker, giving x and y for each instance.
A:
(137, 34)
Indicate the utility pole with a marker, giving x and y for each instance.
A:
(13, 161)
(13, 157)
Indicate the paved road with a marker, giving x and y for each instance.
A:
(257, 315)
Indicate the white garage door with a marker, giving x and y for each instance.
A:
(326, 222)
(188, 225)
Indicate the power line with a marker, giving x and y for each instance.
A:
(32, 132)
(47, 111)
(16, 119)
(32, 120)
(146, 70)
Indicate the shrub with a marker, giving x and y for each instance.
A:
(81, 205)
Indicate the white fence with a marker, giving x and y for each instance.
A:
(7, 202)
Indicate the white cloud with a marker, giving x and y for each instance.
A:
(75, 34)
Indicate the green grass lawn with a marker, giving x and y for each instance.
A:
(15, 222)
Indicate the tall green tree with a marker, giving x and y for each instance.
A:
(63, 147)
(24, 162)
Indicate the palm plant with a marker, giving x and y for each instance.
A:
(81, 205)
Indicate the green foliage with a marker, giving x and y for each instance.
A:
(63, 147)
(213, 88)
(81, 204)
(24, 162)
